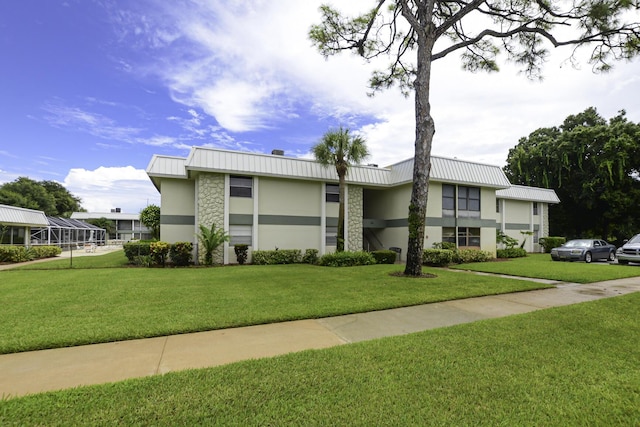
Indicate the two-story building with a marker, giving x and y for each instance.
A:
(274, 201)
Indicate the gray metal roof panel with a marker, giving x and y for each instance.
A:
(207, 159)
(453, 171)
(22, 216)
(534, 194)
(167, 166)
(246, 163)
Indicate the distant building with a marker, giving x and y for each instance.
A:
(127, 226)
(20, 226)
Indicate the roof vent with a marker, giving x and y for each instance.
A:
(373, 165)
(277, 152)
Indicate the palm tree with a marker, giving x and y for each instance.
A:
(211, 239)
(338, 148)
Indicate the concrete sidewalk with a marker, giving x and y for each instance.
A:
(46, 370)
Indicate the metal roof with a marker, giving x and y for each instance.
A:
(11, 215)
(533, 194)
(257, 164)
(70, 223)
(121, 216)
(453, 171)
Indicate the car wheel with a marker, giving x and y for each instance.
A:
(612, 256)
(587, 257)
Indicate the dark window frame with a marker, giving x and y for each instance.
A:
(241, 186)
(332, 196)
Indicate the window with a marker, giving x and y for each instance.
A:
(535, 208)
(241, 186)
(448, 201)
(331, 236)
(332, 193)
(240, 235)
(497, 205)
(536, 236)
(449, 235)
(468, 237)
(468, 202)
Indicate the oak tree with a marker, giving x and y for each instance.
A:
(593, 165)
(414, 33)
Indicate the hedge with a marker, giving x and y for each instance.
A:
(278, 256)
(511, 253)
(347, 259)
(437, 257)
(22, 254)
(385, 256)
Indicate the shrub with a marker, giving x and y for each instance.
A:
(445, 245)
(181, 253)
(464, 256)
(158, 252)
(278, 256)
(142, 260)
(551, 242)
(15, 254)
(508, 241)
(242, 252)
(385, 256)
(136, 249)
(310, 256)
(511, 253)
(45, 251)
(437, 257)
(347, 259)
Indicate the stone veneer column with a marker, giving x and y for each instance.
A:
(355, 209)
(211, 209)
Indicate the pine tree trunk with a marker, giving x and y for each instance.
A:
(425, 129)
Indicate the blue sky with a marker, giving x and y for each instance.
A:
(91, 89)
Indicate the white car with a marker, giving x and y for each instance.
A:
(630, 251)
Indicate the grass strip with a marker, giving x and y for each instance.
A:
(59, 308)
(542, 267)
(571, 366)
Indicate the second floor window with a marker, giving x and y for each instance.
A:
(241, 186)
(448, 201)
(535, 208)
(332, 193)
(468, 202)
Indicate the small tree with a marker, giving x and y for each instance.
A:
(339, 149)
(211, 239)
(150, 217)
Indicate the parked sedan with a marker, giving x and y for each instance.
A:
(586, 250)
(630, 251)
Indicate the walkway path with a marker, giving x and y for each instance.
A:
(38, 371)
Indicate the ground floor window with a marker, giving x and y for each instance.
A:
(331, 236)
(12, 235)
(468, 237)
(449, 235)
(241, 235)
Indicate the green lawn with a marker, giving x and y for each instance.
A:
(57, 308)
(569, 366)
(107, 260)
(541, 266)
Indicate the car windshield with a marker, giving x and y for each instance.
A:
(578, 243)
(635, 239)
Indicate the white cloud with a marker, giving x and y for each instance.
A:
(106, 188)
(248, 63)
